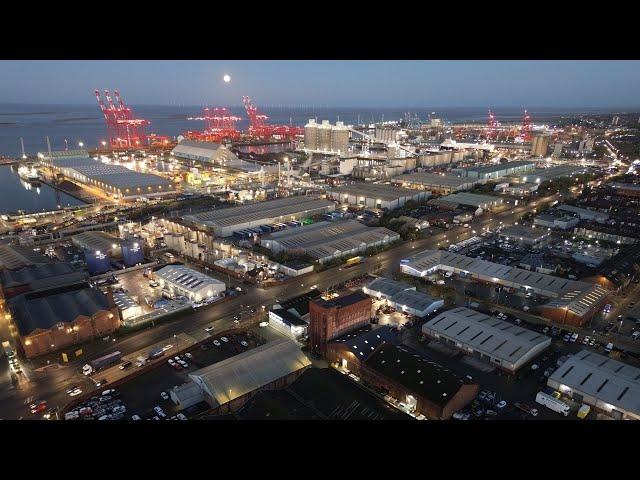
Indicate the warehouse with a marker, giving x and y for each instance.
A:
(96, 241)
(375, 195)
(418, 384)
(585, 213)
(574, 302)
(127, 306)
(556, 220)
(205, 152)
(326, 241)
(385, 288)
(472, 199)
(504, 345)
(525, 235)
(541, 175)
(225, 221)
(609, 386)
(13, 256)
(182, 280)
(37, 277)
(116, 180)
(437, 183)
(288, 323)
(403, 297)
(418, 304)
(53, 319)
(228, 384)
(495, 171)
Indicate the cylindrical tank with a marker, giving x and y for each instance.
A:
(132, 253)
(97, 261)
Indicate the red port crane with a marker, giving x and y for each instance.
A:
(123, 129)
(259, 127)
(526, 127)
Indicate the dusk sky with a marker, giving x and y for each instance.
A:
(329, 83)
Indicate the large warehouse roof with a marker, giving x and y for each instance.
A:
(578, 297)
(500, 167)
(523, 232)
(116, 176)
(12, 256)
(429, 179)
(272, 209)
(44, 310)
(474, 199)
(206, 151)
(416, 373)
(598, 376)
(186, 277)
(372, 190)
(386, 287)
(326, 239)
(96, 240)
(244, 373)
(486, 334)
(414, 300)
(43, 275)
(540, 175)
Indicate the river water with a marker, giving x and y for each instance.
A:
(16, 194)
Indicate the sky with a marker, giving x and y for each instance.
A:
(362, 83)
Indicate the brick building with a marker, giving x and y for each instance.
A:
(422, 385)
(50, 320)
(330, 319)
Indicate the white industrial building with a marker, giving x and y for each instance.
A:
(525, 235)
(204, 152)
(403, 297)
(375, 195)
(182, 280)
(225, 221)
(127, 306)
(472, 199)
(441, 183)
(503, 344)
(326, 241)
(288, 323)
(563, 222)
(495, 171)
(585, 213)
(570, 297)
(606, 384)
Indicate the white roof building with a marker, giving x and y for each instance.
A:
(182, 280)
(504, 344)
(600, 381)
(206, 152)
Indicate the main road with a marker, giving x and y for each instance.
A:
(51, 382)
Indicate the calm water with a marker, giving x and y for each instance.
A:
(85, 122)
(15, 194)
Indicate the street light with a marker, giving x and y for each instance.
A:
(80, 144)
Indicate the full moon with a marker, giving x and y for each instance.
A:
(226, 78)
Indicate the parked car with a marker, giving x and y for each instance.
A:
(208, 329)
(216, 343)
(244, 343)
(164, 395)
(224, 339)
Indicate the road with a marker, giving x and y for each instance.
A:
(50, 383)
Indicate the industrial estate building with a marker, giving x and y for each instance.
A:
(326, 138)
(504, 345)
(115, 180)
(41, 276)
(606, 384)
(556, 220)
(440, 183)
(182, 280)
(585, 213)
(50, 320)
(523, 235)
(13, 256)
(495, 171)
(541, 175)
(326, 241)
(470, 199)
(403, 297)
(423, 386)
(96, 241)
(225, 221)
(375, 195)
(626, 189)
(573, 302)
(228, 384)
(291, 316)
(205, 152)
(329, 319)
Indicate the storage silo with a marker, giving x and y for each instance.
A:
(132, 253)
(97, 261)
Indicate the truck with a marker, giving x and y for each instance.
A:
(552, 403)
(102, 362)
(352, 262)
(583, 411)
(6, 349)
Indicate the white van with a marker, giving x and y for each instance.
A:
(608, 348)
